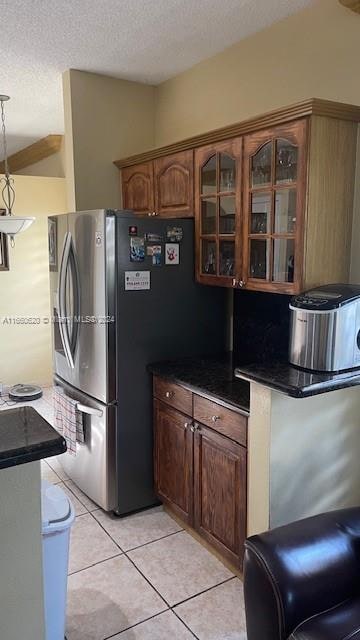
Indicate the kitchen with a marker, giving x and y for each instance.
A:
(256, 265)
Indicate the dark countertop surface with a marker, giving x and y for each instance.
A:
(211, 377)
(283, 377)
(25, 436)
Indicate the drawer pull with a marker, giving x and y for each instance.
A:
(215, 418)
(187, 425)
(195, 427)
(169, 394)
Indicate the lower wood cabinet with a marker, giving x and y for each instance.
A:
(220, 491)
(173, 447)
(201, 475)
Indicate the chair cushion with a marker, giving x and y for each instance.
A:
(341, 622)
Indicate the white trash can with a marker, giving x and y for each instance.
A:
(57, 514)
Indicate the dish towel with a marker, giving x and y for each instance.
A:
(68, 420)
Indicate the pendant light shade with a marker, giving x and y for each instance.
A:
(9, 224)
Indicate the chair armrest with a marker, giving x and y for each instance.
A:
(298, 570)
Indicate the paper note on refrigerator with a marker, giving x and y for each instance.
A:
(137, 280)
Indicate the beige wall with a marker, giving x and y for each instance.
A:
(355, 245)
(314, 53)
(52, 167)
(314, 459)
(21, 583)
(105, 119)
(25, 350)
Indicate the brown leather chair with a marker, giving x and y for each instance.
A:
(302, 581)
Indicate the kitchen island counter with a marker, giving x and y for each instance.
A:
(25, 436)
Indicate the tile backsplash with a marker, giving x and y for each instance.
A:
(261, 324)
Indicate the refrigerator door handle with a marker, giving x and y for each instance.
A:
(62, 301)
(74, 270)
(89, 410)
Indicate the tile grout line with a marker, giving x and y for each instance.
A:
(168, 606)
(116, 555)
(134, 565)
(219, 584)
(125, 553)
(137, 624)
(185, 624)
(74, 494)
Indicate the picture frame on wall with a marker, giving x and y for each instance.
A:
(4, 249)
(52, 240)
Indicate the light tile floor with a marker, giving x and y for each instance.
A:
(141, 577)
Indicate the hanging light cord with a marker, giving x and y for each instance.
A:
(8, 191)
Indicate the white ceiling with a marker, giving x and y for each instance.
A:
(144, 40)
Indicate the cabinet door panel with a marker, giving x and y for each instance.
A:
(173, 453)
(220, 492)
(174, 185)
(138, 188)
(217, 213)
(274, 201)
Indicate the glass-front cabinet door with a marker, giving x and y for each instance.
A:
(217, 207)
(274, 188)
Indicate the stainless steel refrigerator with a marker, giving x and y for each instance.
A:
(123, 295)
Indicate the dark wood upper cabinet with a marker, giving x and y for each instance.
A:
(273, 196)
(220, 492)
(163, 187)
(138, 188)
(273, 207)
(174, 185)
(173, 459)
(217, 212)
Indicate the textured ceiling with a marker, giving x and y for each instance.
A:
(144, 40)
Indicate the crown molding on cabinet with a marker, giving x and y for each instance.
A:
(354, 5)
(33, 153)
(312, 106)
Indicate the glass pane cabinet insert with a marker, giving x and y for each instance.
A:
(218, 201)
(272, 203)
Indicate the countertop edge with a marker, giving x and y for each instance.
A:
(204, 393)
(43, 451)
(317, 388)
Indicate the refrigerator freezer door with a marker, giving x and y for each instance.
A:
(86, 305)
(175, 318)
(93, 467)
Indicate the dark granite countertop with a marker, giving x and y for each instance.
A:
(25, 436)
(283, 377)
(211, 377)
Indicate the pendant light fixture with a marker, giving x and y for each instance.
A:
(9, 224)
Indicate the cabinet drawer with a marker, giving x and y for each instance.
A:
(229, 423)
(173, 394)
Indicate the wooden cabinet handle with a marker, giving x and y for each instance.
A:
(215, 418)
(169, 394)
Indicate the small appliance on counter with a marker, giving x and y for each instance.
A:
(25, 392)
(325, 328)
